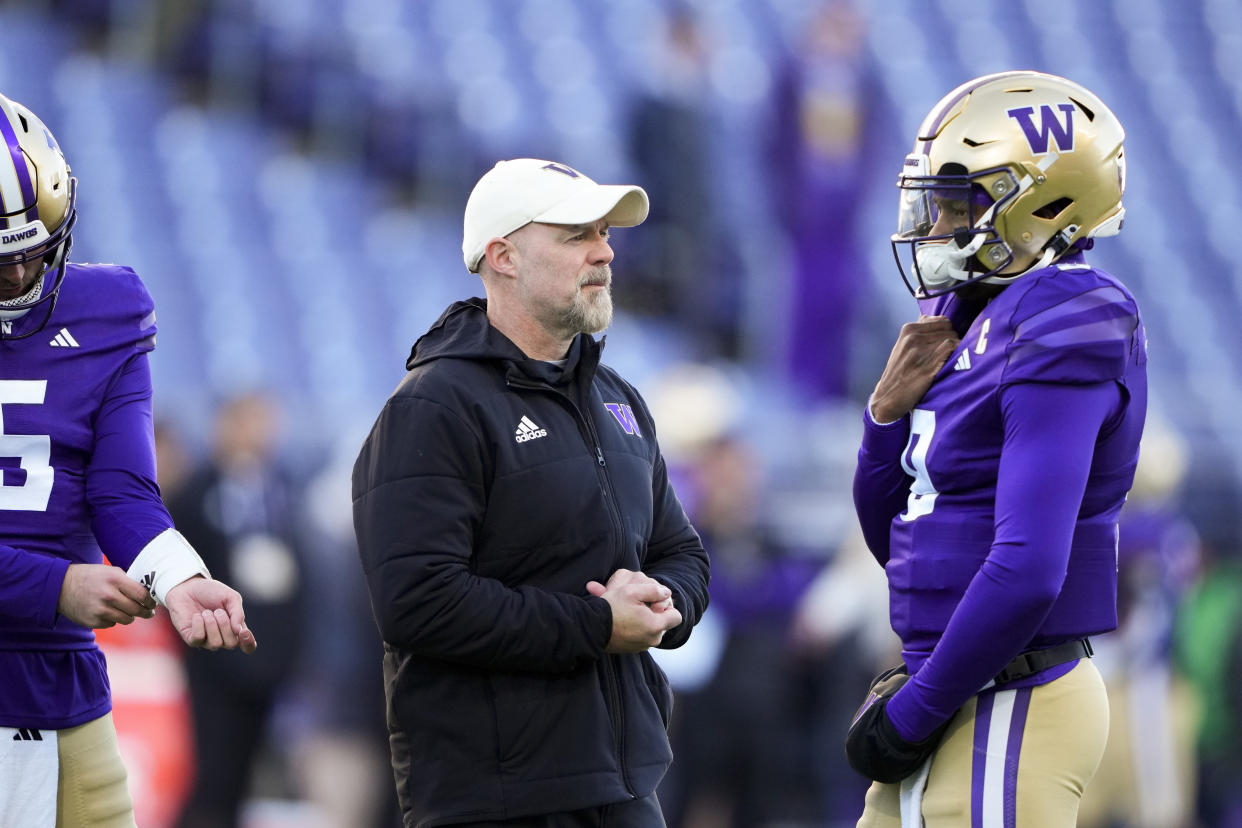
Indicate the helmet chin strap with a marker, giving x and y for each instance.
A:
(1057, 245)
(1043, 261)
(940, 263)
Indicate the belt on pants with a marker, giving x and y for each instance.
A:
(1028, 664)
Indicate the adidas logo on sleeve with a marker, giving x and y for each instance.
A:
(527, 430)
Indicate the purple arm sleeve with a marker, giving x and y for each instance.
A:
(30, 589)
(120, 481)
(881, 485)
(1050, 433)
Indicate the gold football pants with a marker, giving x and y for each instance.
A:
(1011, 759)
(91, 791)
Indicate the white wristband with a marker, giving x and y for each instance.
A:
(165, 562)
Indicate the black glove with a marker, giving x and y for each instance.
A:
(874, 747)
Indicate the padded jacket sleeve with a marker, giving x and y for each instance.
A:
(676, 558)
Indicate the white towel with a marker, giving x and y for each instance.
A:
(28, 776)
(912, 788)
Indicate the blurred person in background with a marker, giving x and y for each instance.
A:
(999, 445)
(173, 460)
(740, 731)
(523, 546)
(840, 629)
(240, 508)
(670, 141)
(77, 485)
(1147, 776)
(819, 147)
(1209, 642)
(342, 761)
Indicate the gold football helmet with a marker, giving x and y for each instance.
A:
(38, 195)
(1008, 172)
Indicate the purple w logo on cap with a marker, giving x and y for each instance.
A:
(561, 168)
(1050, 126)
(625, 416)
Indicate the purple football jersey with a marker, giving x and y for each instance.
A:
(975, 570)
(77, 481)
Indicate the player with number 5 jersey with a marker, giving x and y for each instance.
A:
(77, 483)
(999, 445)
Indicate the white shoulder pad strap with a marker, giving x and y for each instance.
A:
(165, 562)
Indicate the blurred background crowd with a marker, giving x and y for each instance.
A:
(288, 178)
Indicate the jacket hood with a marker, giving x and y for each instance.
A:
(463, 332)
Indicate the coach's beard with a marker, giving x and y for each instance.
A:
(591, 311)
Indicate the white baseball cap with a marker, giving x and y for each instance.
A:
(514, 193)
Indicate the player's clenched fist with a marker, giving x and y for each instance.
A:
(921, 350)
(99, 596)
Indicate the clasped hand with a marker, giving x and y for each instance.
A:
(642, 610)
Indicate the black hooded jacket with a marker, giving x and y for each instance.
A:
(490, 490)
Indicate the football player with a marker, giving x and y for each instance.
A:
(77, 463)
(999, 444)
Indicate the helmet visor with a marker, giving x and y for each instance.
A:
(925, 198)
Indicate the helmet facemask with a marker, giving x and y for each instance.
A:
(946, 225)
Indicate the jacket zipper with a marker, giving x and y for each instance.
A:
(618, 713)
(587, 430)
